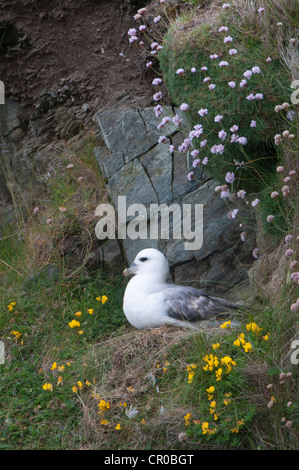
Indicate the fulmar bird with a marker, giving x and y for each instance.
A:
(150, 302)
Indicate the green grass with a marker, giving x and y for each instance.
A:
(181, 50)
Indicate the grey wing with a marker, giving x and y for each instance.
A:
(190, 304)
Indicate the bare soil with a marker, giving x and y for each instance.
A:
(78, 46)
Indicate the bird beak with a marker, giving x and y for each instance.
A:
(130, 270)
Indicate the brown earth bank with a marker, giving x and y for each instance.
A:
(74, 50)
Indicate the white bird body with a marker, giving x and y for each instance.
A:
(151, 302)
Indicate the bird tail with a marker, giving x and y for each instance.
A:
(225, 303)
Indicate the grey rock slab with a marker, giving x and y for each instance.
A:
(124, 131)
(219, 232)
(109, 163)
(133, 182)
(158, 165)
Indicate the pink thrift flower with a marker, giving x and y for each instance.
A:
(161, 139)
(180, 72)
(243, 236)
(242, 140)
(204, 69)
(255, 253)
(194, 153)
(223, 63)
(230, 177)
(228, 39)
(214, 56)
(274, 194)
(196, 163)
(218, 118)
(203, 143)
(233, 52)
(184, 107)
(288, 238)
(222, 134)
(212, 86)
(247, 74)
(253, 124)
(289, 253)
(234, 128)
(157, 81)
(241, 193)
(270, 218)
(232, 84)
(203, 111)
(171, 148)
(205, 161)
(35, 210)
(190, 176)
(132, 32)
(193, 70)
(157, 96)
(280, 169)
(255, 202)
(223, 29)
(243, 83)
(256, 70)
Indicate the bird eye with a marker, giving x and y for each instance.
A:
(143, 259)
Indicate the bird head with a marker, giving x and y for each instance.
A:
(149, 262)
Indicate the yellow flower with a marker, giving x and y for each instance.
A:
(253, 327)
(247, 347)
(48, 386)
(225, 324)
(266, 337)
(80, 384)
(80, 332)
(216, 346)
(226, 401)
(78, 314)
(103, 405)
(104, 422)
(104, 299)
(10, 307)
(87, 382)
(237, 342)
(190, 377)
(98, 298)
(118, 427)
(59, 380)
(17, 334)
(61, 368)
(211, 390)
(142, 421)
(54, 366)
(90, 311)
(74, 323)
(75, 389)
(218, 374)
(187, 419)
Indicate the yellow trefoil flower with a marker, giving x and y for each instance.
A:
(225, 324)
(48, 386)
(74, 323)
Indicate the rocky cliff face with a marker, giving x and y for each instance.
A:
(112, 96)
(136, 166)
